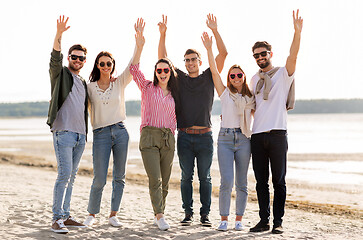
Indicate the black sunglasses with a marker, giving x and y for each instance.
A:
(74, 57)
(102, 64)
(160, 70)
(239, 75)
(263, 54)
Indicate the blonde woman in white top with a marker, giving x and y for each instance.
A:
(234, 148)
(107, 111)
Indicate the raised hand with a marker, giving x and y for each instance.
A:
(140, 40)
(139, 25)
(162, 25)
(211, 22)
(62, 24)
(298, 21)
(207, 41)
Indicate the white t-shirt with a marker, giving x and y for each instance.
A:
(272, 114)
(108, 107)
(230, 118)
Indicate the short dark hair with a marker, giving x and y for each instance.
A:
(191, 51)
(77, 47)
(263, 44)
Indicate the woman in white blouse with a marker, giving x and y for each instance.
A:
(234, 148)
(107, 111)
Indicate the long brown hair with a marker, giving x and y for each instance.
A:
(245, 88)
(96, 74)
(173, 85)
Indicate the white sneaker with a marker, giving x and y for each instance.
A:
(162, 224)
(155, 221)
(223, 225)
(90, 220)
(113, 221)
(238, 226)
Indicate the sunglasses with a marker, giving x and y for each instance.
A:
(187, 60)
(160, 70)
(74, 57)
(232, 75)
(263, 54)
(102, 64)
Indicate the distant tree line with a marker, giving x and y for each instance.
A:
(40, 109)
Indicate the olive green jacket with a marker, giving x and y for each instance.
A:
(61, 81)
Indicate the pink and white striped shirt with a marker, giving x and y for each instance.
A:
(157, 110)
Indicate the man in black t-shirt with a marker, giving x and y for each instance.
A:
(196, 93)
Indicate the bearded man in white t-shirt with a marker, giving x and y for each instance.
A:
(274, 90)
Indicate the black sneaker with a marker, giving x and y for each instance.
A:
(277, 229)
(204, 220)
(187, 221)
(260, 227)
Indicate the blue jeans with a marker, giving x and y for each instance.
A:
(199, 146)
(68, 147)
(110, 138)
(270, 148)
(234, 148)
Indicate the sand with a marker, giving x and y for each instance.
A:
(27, 178)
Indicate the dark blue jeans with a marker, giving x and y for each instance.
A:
(199, 146)
(270, 148)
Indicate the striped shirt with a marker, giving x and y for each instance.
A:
(157, 110)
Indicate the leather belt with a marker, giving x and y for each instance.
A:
(195, 131)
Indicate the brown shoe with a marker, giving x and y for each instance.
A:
(71, 222)
(59, 227)
(277, 229)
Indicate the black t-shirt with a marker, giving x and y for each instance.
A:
(196, 99)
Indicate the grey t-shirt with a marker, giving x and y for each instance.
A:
(70, 116)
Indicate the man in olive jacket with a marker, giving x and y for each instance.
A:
(67, 118)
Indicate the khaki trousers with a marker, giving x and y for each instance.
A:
(157, 146)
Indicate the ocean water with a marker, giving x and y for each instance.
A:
(307, 133)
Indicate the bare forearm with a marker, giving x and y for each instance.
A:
(137, 55)
(57, 42)
(222, 51)
(162, 48)
(294, 50)
(215, 74)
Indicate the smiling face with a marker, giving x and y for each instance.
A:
(162, 77)
(76, 65)
(192, 63)
(236, 78)
(105, 65)
(263, 61)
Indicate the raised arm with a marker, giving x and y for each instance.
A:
(218, 84)
(140, 40)
(295, 45)
(162, 29)
(222, 50)
(61, 28)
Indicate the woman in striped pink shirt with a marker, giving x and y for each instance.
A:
(158, 125)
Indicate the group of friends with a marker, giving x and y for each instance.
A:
(174, 100)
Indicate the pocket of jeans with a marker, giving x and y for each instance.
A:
(98, 130)
(120, 125)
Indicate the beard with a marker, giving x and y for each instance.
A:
(265, 64)
(74, 68)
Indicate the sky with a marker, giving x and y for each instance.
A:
(329, 62)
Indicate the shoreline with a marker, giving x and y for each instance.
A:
(139, 177)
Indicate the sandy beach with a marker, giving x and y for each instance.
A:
(27, 177)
